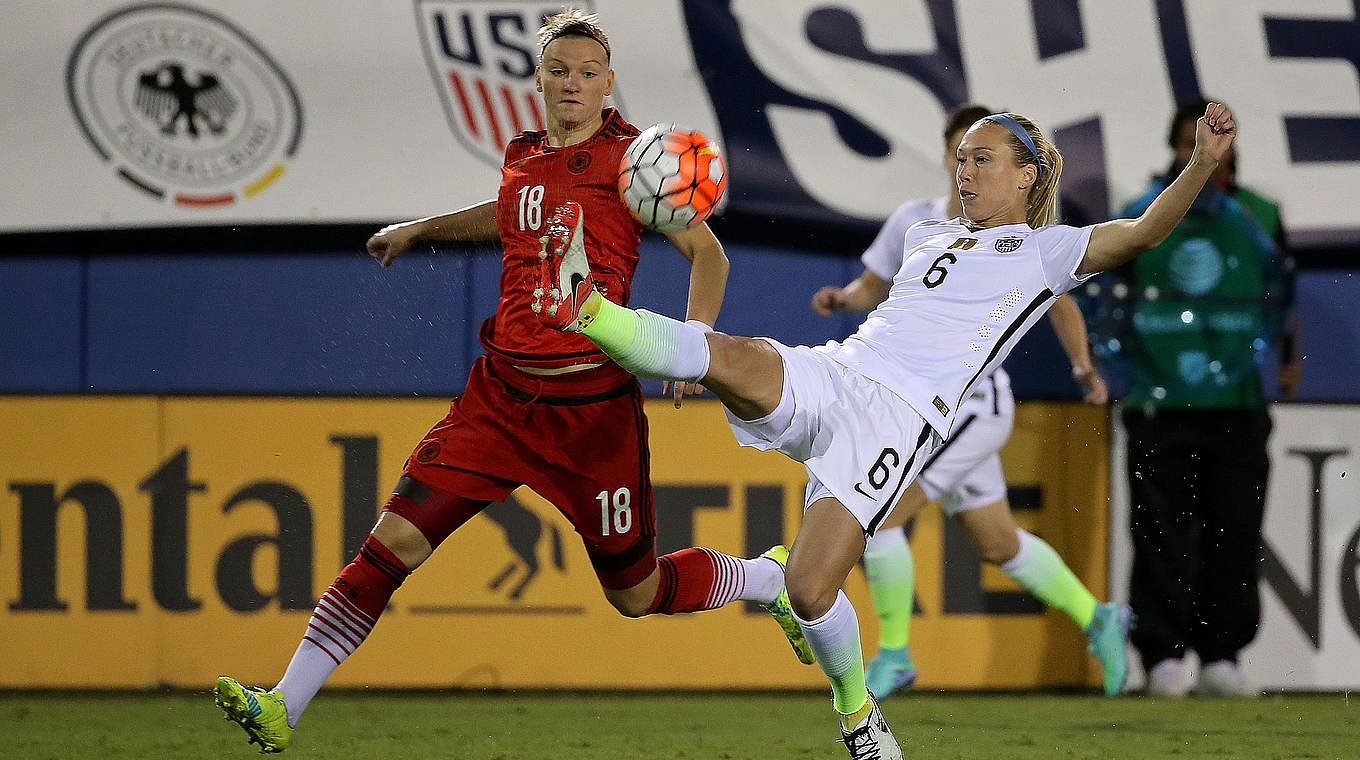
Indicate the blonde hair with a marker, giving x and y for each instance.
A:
(571, 22)
(1041, 207)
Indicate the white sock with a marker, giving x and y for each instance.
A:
(764, 580)
(649, 345)
(1043, 573)
(307, 671)
(335, 630)
(834, 638)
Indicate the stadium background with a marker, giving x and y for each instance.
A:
(208, 385)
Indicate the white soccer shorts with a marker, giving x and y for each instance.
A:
(861, 443)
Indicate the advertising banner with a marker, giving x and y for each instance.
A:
(148, 541)
(1310, 592)
(258, 112)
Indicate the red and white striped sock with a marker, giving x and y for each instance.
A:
(703, 579)
(343, 618)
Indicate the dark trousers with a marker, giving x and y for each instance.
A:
(1197, 482)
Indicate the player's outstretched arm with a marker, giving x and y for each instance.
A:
(1071, 329)
(468, 225)
(861, 294)
(708, 267)
(1120, 240)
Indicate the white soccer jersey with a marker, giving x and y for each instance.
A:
(883, 257)
(958, 304)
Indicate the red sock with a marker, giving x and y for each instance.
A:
(352, 605)
(703, 579)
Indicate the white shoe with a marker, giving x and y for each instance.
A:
(1167, 679)
(871, 739)
(1223, 678)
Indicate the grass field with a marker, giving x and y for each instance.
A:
(580, 726)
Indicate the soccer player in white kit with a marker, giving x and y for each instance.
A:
(965, 474)
(863, 415)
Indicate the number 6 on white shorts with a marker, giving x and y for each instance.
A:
(881, 471)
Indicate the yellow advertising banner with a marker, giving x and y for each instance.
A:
(167, 540)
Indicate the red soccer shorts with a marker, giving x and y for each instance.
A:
(578, 440)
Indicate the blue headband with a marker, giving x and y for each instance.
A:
(1020, 134)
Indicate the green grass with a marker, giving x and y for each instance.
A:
(581, 726)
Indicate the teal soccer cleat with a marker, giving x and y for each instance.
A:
(782, 611)
(1109, 634)
(889, 672)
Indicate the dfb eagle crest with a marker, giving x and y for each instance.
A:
(167, 96)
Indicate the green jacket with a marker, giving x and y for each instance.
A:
(1202, 304)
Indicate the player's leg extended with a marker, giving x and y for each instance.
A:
(829, 543)
(699, 578)
(691, 580)
(621, 541)
(892, 577)
(745, 374)
(1032, 563)
(345, 614)
(343, 618)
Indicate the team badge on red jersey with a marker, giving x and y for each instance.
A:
(482, 56)
(579, 162)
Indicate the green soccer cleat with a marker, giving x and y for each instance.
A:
(782, 610)
(1109, 634)
(261, 713)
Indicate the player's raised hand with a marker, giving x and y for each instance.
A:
(828, 299)
(680, 390)
(1214, 132)
(390, 242)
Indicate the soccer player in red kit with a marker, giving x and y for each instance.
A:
(541, 408)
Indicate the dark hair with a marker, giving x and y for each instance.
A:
(1186, 111)
(963, 118)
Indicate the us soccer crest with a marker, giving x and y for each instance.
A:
(482, 56)
(1008, 244)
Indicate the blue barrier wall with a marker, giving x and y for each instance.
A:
(334, 323)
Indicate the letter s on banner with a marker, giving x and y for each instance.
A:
(896, 107)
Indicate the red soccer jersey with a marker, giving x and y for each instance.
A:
(535, 180)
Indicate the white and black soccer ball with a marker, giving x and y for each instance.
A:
(671, 178)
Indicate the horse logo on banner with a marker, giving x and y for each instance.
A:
(482, 56)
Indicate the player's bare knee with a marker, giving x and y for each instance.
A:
(630, 608)
(746, 374)
(402, 538)
(810, 599)
(634, 601)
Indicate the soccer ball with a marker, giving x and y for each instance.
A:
(671, 178)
